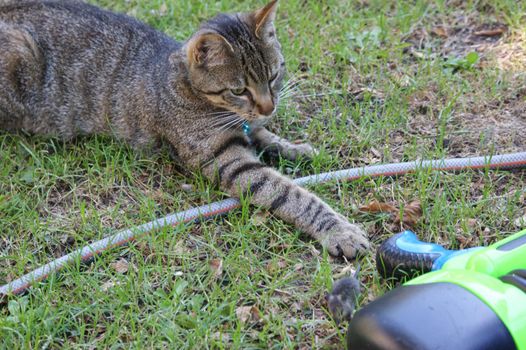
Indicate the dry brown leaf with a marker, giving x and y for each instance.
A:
(216, 265)
(463, 241)
(378, 207)
(440, 31)
(491, 32)
(120, 266)
(248, 313)
(412, 213)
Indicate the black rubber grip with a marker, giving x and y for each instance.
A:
(393, 262)
(430, 316)
(516, 278)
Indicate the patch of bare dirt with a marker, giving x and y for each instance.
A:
(499, 129)
(478, 123)
(462, 35)
(456, 36)
(510, 54)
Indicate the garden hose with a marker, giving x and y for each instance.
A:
(504, 161)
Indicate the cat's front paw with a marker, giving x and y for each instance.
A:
(303, 150)
(349, 241)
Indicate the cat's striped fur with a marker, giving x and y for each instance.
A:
(68, 68)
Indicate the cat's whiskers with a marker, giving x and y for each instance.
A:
(220, 119)
(290, 88)
(298, 83)
(225, 121)
(293, 77)
(239, 123)
(230, 126)
(294, 80)
(284, 93)
(287, 86)
(235, 124)
(222, 124)
(219, 112)
(221, 116)
(321, 94)
(288, 93)
(230, 123)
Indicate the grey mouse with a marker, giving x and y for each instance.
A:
(342, 300)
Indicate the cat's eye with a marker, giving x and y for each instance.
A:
(238, 92)
(272, 80)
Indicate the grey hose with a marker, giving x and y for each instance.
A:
(504, 161)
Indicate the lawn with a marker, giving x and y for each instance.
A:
(376, 82)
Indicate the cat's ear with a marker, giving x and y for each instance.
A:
(208, 48)
(264, 20)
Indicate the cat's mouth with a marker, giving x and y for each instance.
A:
(259, 119)
(260, 122)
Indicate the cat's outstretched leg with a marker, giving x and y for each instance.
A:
(272, 143)
(241, 173)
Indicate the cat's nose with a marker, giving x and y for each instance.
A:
(265, 107)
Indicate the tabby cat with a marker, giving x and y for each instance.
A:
(68, 68)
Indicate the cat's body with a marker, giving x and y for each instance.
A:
(80, 90)
(68, 68)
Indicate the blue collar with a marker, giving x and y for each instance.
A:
(246, 128)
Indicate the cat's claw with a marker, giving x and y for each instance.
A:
(349, 242)
(302, 150)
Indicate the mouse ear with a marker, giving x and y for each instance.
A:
(326, 296)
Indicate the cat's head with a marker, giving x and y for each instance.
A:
(235, 62)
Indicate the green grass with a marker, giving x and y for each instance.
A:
(375, 88)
